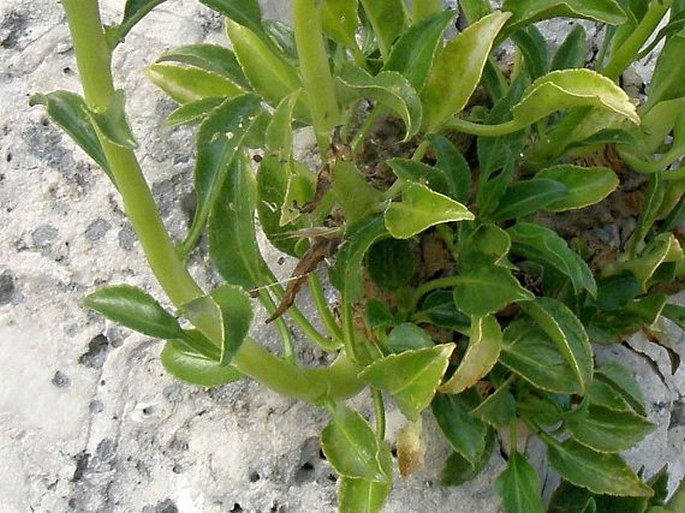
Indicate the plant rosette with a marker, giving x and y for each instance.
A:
(456, 207)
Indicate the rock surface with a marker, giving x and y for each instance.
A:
(88, 419)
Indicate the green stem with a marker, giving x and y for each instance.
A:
(628, 51)
(319, 298)
(429, 286)
(281, 326)
(468, 127)
(379, 413)
(314, 68)
(651, 165)
(93, 59)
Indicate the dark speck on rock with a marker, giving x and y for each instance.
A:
(97, 229)
(12, 28)
(60, 380)
(8, 287)
(127, 237)
(81, 459)
(44, 235)
(94, 358)
(166, 506)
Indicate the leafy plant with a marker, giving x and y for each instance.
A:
(454, 201)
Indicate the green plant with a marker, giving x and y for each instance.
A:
(453, 197)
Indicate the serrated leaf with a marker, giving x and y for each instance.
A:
(572, 51)
(455, 166)
(466, 434)
(526, 12)
(184, 84)
(603, 394)
(389, 89)
(346, 273)
(487, 290)
(268, 73)
(485, 344)
(544, 246)
(209, 57)
(530, 353)
(186, 364)
(236, 311)
(606, 430)
(527, 197)
(135, 309)
(586, 185)
(624, 383)
(519, 486)
(414, 52)
(411, 377)
(388, 19)
(353, 450)
(565, 89)
(420, 209)
(244, 12)
(195, 111)
(362, 495)
(600, 473)
(231, 232)
(218, 140)
(112, 123)
(339, 20)
(457, 70)
(70, 112)
(390, 263)
(497, 409)
(564, 328)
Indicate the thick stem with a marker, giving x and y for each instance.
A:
(628, 51)
(314, 68)
(94, 63)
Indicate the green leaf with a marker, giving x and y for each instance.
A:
(218, 140)
(530, 353)
(665, 83)
(533, 46)
(231, 234)
(565, 89)
(236, 311)
(184, 85)
(378, 316)
(434, 178)
(438, 309)
(598, 472)
(609, 326)
(194, 111)
(485, 344)
(455, 166)
(244, 12)
(355, 196)
(70, 112)
(457, 70)
(497, 409)
(586, 185)
(487, 245)
(134, 11)
(572, 52)
(407, 336)
(606, 430)
(388, 19)
(112, 124)
(269, 73)
(675, 313)
(662, 249)
(569, 498)
(214, 58)
(544, 246)
(624, 384)
(414, 52)
(411, 377)
(390, 263)
(466, 434)
(389, 89)
(527, 197)
(526, 12)
(564, 328)
(182, 361)
(134, 309)
(339, 20)
(420, 209)
(603, 394)
(279, 133)
(458, 470)
(519, 486)
(361, 495)
(346, 273)
(300, 189)
(616, 291)
(487, 290)
(353, 450)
